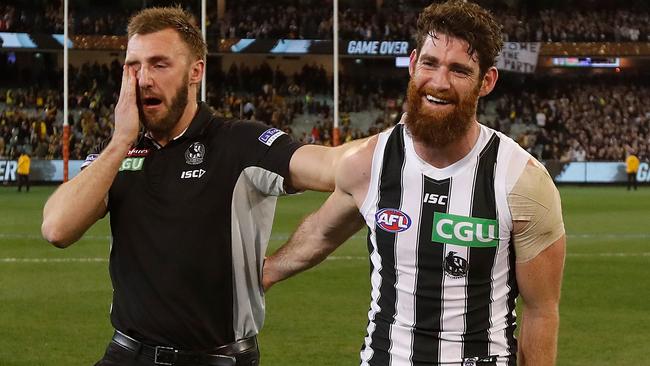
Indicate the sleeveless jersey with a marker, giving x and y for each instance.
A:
(441, 254)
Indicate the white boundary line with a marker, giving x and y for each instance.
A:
(332, 258)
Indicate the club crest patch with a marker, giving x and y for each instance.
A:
(89, 159)
(269, 136)
(195, 153)
(455, 266)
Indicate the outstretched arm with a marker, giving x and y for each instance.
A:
(326, 229)
(79, 203)
(317, 236)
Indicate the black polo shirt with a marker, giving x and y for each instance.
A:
(190, 223)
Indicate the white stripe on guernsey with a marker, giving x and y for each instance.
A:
(332, 258)
(455, 295)
(500, 294)
(509, 165)
(406, 256)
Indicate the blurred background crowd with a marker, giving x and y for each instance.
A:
(566, 118)
(312, 19)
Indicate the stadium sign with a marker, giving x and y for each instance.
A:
(643, 175)
(574, 172)
(594, 172)
(8, 170)
(40, 170)
(378, 48)
(314, 46)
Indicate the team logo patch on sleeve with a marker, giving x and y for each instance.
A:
(89, 159)
(392, 220)
(269, 136)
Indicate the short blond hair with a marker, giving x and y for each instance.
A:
(153, 20)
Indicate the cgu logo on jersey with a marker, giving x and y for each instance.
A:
(392, 220)
(132, 164)
(465, 231)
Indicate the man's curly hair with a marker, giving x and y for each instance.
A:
(464, 20)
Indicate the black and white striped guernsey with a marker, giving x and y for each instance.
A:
(442, 263)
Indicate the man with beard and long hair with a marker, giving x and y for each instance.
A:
(191, 198)
(461, 220)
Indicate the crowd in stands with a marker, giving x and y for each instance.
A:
(554, 119)
(578, 120)
(552, 25)
(259, 20)
(31, 118)
(311, 19)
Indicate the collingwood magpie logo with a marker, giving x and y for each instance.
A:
(470, 361)
(455, 266)
(195, 153)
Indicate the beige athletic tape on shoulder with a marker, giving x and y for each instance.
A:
(535, 200)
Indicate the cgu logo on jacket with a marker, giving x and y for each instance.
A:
(465, 231)
(132, 164)
(392, 220)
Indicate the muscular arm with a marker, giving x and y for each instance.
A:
(540, 243)
(79, 203)
(317, 237)
(313, 167)
(539, 282)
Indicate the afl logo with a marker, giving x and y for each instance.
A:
(392, 220)
(195, 153)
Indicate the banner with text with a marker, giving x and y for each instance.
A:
(519, 57)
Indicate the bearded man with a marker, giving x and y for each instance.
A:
(462, 221)
(191, 199)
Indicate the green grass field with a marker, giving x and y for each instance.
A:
(54, 304)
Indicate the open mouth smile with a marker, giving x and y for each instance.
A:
(436, 101)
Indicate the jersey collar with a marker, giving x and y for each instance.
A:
(196, 127)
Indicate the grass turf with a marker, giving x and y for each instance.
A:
(54, 308)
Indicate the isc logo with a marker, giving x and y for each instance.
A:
(392, 220)
(196, 173)
(435, 199)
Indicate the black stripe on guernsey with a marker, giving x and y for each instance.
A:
(428, 300)
(512, 295)
(372, 269)
(481, 260)
(390, 196)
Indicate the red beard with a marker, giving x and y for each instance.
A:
(435, 128)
